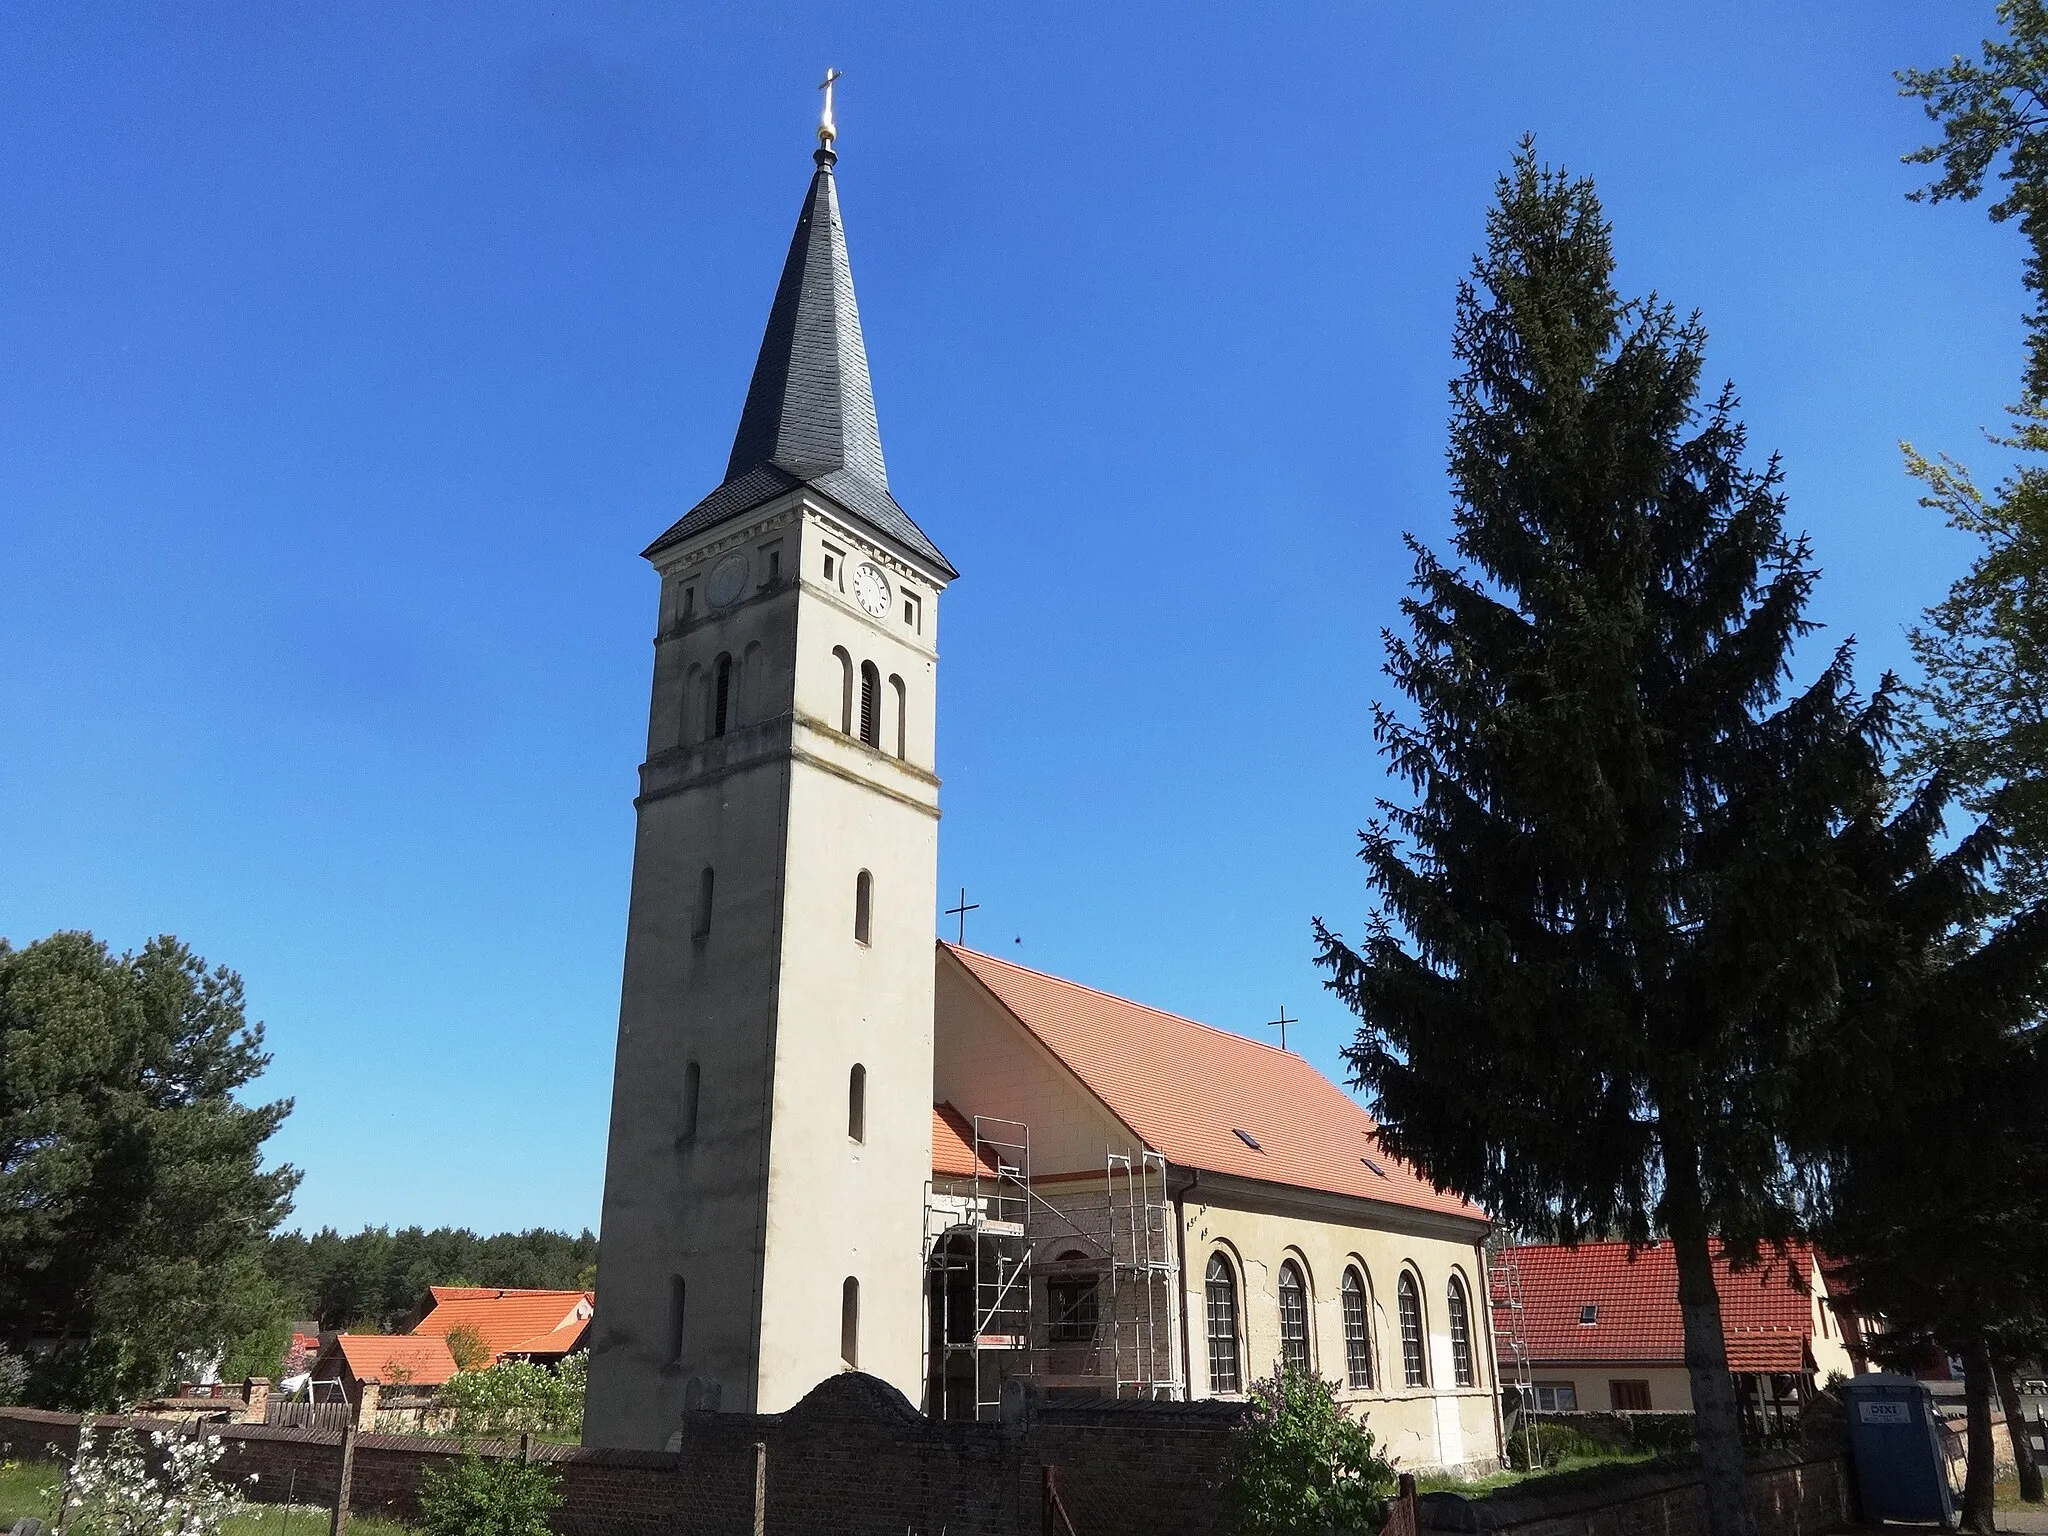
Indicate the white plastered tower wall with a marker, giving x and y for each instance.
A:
(784, 885)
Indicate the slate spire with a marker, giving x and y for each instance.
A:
(810, 412)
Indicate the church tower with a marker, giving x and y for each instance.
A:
(771, 1112)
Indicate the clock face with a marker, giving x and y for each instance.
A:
(871, 589)
(728, 580)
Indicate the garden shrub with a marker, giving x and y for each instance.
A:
(1550, 1443)
(1303, 1466)
(518, 1397)
(114, 1491)
(496, 1497)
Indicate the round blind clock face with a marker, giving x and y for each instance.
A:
(871, 589)
(728, 580)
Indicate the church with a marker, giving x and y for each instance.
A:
(840, 1144)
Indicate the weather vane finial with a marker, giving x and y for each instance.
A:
(828, 130)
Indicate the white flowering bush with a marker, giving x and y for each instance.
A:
(113, 1491)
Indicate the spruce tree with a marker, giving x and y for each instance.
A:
(1608, 915)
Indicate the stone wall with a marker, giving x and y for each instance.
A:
(853, 1457)
(1795, 1493)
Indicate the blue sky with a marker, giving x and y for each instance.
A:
(350, 353)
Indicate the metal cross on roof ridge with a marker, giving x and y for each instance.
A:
(828, 128)
(962, 910)
(1283, 1021)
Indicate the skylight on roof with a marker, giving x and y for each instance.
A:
(1589, 1313)
(1247, 1138)
(1375, 1167)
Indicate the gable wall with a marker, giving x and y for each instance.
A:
(986, 1063)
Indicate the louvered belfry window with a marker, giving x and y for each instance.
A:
(870, 704)
(1221, 1286)
(1357, 1349)
(1293, 1317)
(1410, 1299)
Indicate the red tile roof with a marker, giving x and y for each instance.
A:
(1766, 1312)
(511, 1322)
(953, 1143)
(1186, 1090)
(392, 1358)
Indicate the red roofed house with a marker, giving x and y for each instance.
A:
(1601, 1329)
(360, 1369)
(1108, 1199)
(541, 1326)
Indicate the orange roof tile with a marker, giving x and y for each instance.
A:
(952, 1142)
(1186, 1090)
(394, 1358)
(1766, 1313)
(510, 1322)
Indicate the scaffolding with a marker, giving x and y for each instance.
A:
(1510, 1302)
(1085, 1299)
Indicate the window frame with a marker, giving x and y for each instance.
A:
(849, 1322)
(857, 1104)
(1226, 1352)
(864, 909)
(1414, 1331)
(1357, 1296)
(1295, 1351)
(1636, 1389)
(1458, 1319)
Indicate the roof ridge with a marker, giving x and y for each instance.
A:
(1132, 1002)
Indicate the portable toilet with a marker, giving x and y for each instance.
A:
(1895, 1446)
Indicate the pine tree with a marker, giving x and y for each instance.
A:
(1607, 920)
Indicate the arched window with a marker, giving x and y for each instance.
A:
(849, 1323)
(870, 704)
(845, 690)
(676, 1291)
(857, 1103)
(902, 730)
(1221, 1286)
(1293, 1317)
(721, 692)
(748, 705)
(702, 928)
(693, 704)
(1461, 1333)
(863, 907)
(693, 1080)
(1414, 1369)
(1357, 1346)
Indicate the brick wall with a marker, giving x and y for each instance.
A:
(853, 1457)
(1795, 1493)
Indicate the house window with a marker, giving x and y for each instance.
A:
(1629, 1396)
(857, 1103)
(1221, 1287)
(1589, 1314)
(702, 928)
(1357, 1348)
(1461, 1333)
(689, 603)
(693, 1080)
(1293, 1317)
(910, 613)
(870, 704)
(676, 1291)
(835, 568)
(1556, 1397)
(1414, 1369)
(849, 1323)
(1070, 1304)
(863, 907)
(774, 554)
(721, 694)
(902, 730)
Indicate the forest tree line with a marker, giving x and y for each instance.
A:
(373, 1281)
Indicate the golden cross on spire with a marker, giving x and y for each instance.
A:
(828, 130)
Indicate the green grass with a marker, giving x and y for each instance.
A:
(1439, 1482)
(29, 1488)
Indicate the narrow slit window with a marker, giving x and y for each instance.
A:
(1357, 1346)
(849, 1323)
(693, 1081)
(863, 907)
(831, 568)
(702, 928)
(689, 603)
(721, 693)
(857, 1103)
(902, 726)
(1457, 1315)
(870, 704)
(845, 690)
(677, 1295)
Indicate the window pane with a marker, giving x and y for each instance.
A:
(1411, 1332)
(1357, 1352)
(1222, 1299)
(1293, 1318)
(1461, 1336)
